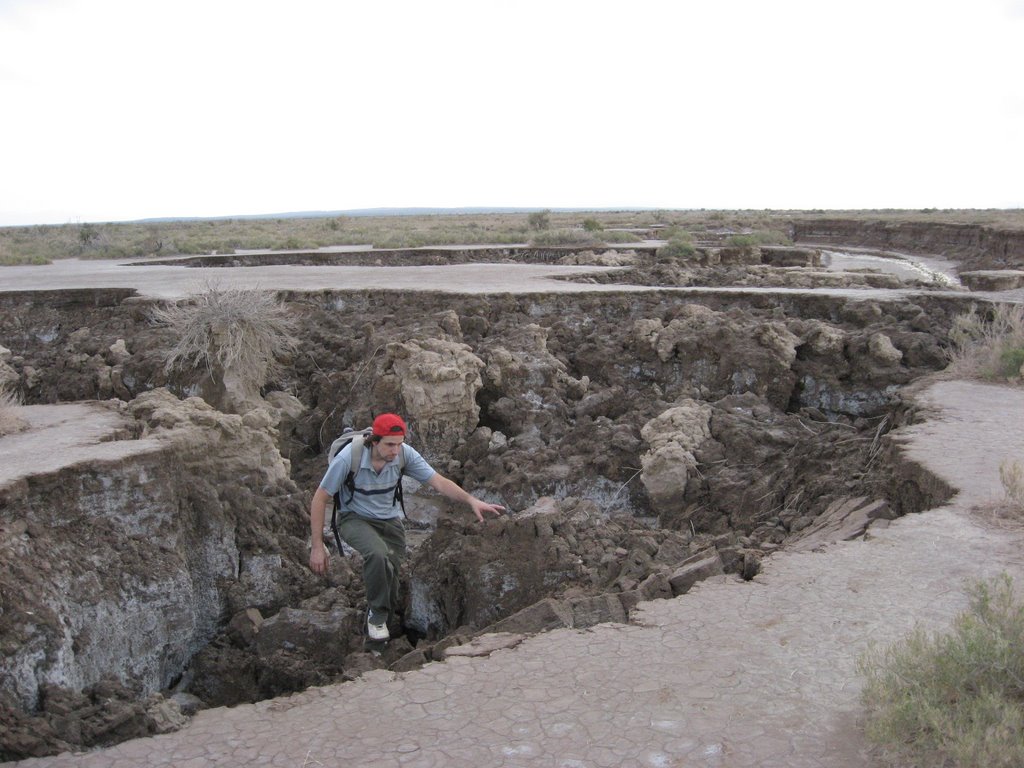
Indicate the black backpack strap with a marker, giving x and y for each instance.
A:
(398, 488)
(349, 484)
(355, 461)
(334, 523)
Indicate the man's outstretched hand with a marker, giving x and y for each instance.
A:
(480, 507)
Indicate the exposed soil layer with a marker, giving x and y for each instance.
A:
(385, 257)
(975, 246)
(642, 441)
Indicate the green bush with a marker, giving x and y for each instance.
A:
(1010, 362)
(88, 234)
(614, 236)
(679, 245)
(553, 237)
(772, 237)
(676, 233)
(677, 248)
(759, 237)
(539, 220)
(741, 241)
(955, 698)
(592, 225)
(11, 256)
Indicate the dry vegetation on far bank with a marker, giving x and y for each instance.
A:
(45, 243)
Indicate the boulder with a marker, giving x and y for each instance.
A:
(825, 340)
(542, 616)
(701, 566)
(438, 382)
(610, 258)
(486, 644)
(882, 351)
(993, 279)
(324, 637)
(673, 437)
(198, 431)
(844, 519)
(788, 256)
(117, 353)
(599, 609)
(243, 627)
(468, 574)
(778, 340)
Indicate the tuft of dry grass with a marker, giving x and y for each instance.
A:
(989, 345)
(241, 332)
(1008, 512)
(1011, 474)
(10, 421)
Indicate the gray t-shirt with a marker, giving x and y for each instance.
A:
(374, 497)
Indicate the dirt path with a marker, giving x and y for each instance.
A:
(734, 673)
(172, 281)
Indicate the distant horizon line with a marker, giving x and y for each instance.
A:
(457, 210)
(477, 210)
(397, 211)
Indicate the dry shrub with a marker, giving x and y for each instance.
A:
(571, 237)
(1008, 512)
(989, 345)
(239, 332)
(10, 420)
(1011, 474)
(955, 698)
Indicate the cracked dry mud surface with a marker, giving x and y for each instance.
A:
(733, 673)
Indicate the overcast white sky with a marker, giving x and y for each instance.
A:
(124, 109)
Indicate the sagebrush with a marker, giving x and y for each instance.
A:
(989, 344)
(954, 698)
(240, 332)
(679, 246)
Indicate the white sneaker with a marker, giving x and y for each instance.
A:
(374, 630)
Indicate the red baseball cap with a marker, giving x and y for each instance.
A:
(388, 424)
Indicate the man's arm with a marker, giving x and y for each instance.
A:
(317, 513)
(444, 486)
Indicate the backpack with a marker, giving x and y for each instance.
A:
(358, 438)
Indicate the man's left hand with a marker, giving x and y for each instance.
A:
(480, 507)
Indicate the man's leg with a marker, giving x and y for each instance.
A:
(392, 532)
(382, 545)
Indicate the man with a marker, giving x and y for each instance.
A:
(369, 518)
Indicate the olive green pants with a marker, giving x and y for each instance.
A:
(382, 545)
